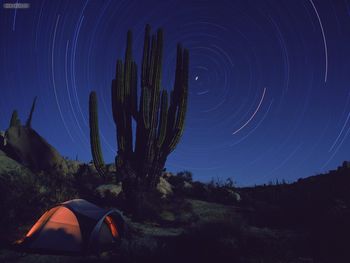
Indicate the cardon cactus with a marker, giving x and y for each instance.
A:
(159, 119)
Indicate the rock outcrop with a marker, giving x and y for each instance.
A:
(109, 189)
(164, 187)
(28, 148)
(24, 145)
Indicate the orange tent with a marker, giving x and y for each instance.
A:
(76, 226)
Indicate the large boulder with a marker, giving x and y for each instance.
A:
(164, 187)
(235, 196)
(109, 189)
(187, 185)
(27, 147)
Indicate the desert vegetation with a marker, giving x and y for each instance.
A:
(159, 120)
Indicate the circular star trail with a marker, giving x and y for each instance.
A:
(269, 80)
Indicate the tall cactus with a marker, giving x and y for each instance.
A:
(94, 135)
(159, 119)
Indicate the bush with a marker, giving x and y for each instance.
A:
(214, 191)
(178, 182)
(86, 180)
(19, 203)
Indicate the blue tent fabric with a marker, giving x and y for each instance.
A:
(85, 208)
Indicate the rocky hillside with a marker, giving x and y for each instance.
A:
(27, 147)
(24, 145)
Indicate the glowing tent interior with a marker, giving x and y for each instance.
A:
(74, 227)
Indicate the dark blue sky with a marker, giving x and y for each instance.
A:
(269, 81)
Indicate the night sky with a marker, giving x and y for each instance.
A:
(269, 79)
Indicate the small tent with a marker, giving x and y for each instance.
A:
(74, 227)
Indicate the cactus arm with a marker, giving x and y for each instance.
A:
(94, 135)
(119, 116)
(180, 120)
(127, 105)
(156, 80)
(178, 106)
(163, 119)
(145, 57)
(133, 91)
(146, 106)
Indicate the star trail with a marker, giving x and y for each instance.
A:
(269, 79)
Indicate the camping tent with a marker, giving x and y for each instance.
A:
(74, 227)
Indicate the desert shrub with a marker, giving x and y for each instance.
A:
(199, 191)
(186, 176)
(86, 180)
(219, 183)
(107, 200)
(223, 192)
(179, 211)
(54, 188)
(19, 200)
(178, 182)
